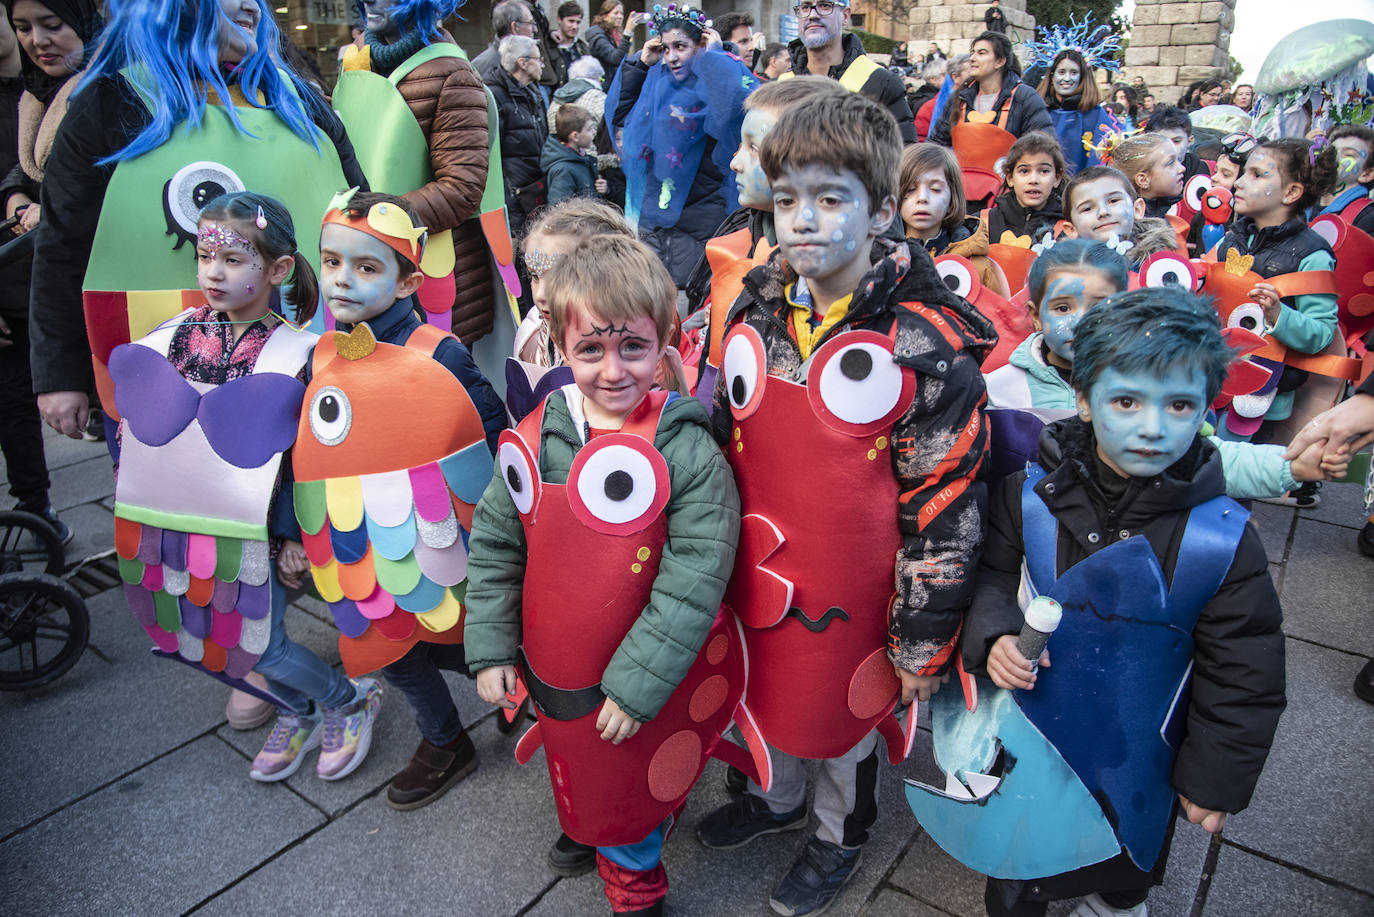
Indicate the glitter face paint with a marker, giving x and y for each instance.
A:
(1257, 191)
(542, 252)
(819, 213)
(358, 273)
(1143, 422)
(231, 273)
(925, 206)
(1102, 207)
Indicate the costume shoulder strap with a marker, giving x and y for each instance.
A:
(531, 427)
(1210, 538)
(1355, 208)
(427, 339)
(644, 419)
(858, 72)
(423, 56)
(1039, 532)
(937, 322)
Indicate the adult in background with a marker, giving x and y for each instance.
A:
(1243, 97)
(524, 126)
(566, 39)
(933, 75)
(825, 48)
(737, 28)
(508, 17)
(993, 20)
(35, 86)
(160, 91)
(933, 53)
(774, 61)
(680, 103)
(1209, 92)
(1125, 97)
(609, 37)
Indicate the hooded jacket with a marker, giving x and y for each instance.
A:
(940, 511)
(569, 173)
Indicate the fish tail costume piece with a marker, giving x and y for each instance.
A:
(394, 153)
(1077, 770)
(198, 470)
(610, 517)
(142, 270)
(385, 486)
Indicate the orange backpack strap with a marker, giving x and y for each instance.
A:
(1305, 283)
(427, 339)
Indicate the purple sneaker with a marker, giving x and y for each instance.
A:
(348, 732)
(286, 745)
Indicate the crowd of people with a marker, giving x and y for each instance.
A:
(964, 301)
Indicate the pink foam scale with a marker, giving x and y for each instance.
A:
(225, 629)
(152, 578)
(430, 491)
(237, 661)
(165, 641)
(387, 497)
(225, 595)
(200, 556)
(446, 566)
(377, 605)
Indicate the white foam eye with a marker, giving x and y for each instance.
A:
(745, 369)
(330, 416)
(855, 386)
(1195, 189)
(618, 485)
(519, 472)
(958, 274)
(1167, 269)
(1248, 316)
(1329, 228)
(192, 187)
(1000, 165)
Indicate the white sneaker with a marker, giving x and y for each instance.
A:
(1094, 906)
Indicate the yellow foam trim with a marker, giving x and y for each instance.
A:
(343, 498)
(327, 582)
(149, 308)
(445, 615)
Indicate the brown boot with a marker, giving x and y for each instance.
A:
(430, 773)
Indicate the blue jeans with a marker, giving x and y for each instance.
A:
(418, 677)
(295, 674)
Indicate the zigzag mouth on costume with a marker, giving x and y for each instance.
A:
(973, 787)
(821, 623)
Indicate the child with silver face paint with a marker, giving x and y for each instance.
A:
(1065, 282)
(1103, 205)
(1131, 464)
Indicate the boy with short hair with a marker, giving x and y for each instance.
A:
(1130, 469)
(1102, 205)
(1177, 127)
(1354, 145)
(611, 309)
(365, 278)
(836, 294)
(569, 157)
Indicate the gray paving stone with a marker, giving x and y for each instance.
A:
(1342, 504)
(92, 528)
(62, 451)
(1325, 586)
(891, 902)
(100, 720)
(156, 842)
(1273, 524)
(1247, 885)
(83, 482)
(1319, 758)
(478, 850)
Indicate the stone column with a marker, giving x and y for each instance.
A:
(953, 24)
(1176, 43)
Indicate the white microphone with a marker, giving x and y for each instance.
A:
(1042, 617)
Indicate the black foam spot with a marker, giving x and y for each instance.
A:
(1249, 322)
(1171, 279)
(205, 192)
(329, 409)
(951, 281)
(513, 478)
(619, 485)
(856, 363)
(737, 394)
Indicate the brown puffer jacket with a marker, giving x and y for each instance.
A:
(449, 101)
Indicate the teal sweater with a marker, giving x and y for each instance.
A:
(1028, 382)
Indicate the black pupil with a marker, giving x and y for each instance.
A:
(329, 409)
(1171, 279)
(1249, 323)
(737, 390)
(856, 364)
(513, 478)
(619, 485)
(952, 282)
(205, 192)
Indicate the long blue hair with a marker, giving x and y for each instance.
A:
(169, 50)
(412, 15)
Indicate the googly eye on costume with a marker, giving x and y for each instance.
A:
(618, 484)
(519, 471)
(330, 415)
(854, 385)
(1248, 316)
(746, 370)
(1194, 191)
(192, 187)
(959, 275)
(1166, 269)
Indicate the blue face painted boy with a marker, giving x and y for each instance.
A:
(1145, 421)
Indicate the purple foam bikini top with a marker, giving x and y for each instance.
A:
(246, 421)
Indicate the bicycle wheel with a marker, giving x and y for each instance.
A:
(28, 544)
(44, 627)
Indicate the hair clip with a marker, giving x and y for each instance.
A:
(261, 221)
(1045, 244)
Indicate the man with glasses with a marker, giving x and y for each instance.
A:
(509, 17)
(824, 48)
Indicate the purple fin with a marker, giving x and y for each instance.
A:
(195, 619)
(150, 545)
(348, 619)
(151, 394)
(254, 601)
(251, 419)
(238, 662)
(174, 549)
(141, 605)
(225, 596)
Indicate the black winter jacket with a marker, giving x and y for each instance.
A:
(524, 125)
(1238, 657)
(884, 87)
(1007, 214)
(608, 52)
(1028, 112)
(103, 118)
(1276, 249)
(14, 278)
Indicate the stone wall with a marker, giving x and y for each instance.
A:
(1174, 44)
(953, 24)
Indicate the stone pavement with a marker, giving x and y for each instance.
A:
(123, 791)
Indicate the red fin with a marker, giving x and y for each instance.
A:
(899, 738)
(529, 743)
(762, 770)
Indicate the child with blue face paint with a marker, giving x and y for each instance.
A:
(1131, 465)
(1064, 283)
(1354, 144)
(1103, 206)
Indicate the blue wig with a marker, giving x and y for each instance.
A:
(1150, 330)
(1077, 254)
(420, 15)
(169, 50)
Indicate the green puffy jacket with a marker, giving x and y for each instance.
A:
(703, 527)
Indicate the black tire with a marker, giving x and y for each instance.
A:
(44, 627)
(28, 544)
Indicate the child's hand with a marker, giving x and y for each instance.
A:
(1266, 296)
(1311, 465)
(1211, 820)
(292, 564)
(918, 687)
(601, 186)
(1008, 668)
(494, 683)
(614, 724)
